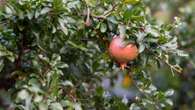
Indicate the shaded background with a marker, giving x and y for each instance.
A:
(184, 84)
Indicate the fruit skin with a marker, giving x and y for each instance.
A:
(122, 53)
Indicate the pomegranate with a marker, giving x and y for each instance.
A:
(121, 52)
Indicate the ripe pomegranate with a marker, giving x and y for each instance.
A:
(121, 52)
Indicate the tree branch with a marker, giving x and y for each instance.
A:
(106, 14)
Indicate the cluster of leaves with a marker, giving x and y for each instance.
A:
(56, 51)
(183, 85)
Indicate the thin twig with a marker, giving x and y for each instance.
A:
(106, 14)
(179, 70)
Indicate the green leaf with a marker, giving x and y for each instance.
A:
(169, 92)
(103, 27)
(134, 106)
(45, 10)
(63, 27)
(122, 30)
(91, 3)
(170, 102)
(141, 47)
(23, 94)
(43, 106)
(77, 106)
(56, 58)
(6, 53)
(127, 14)
(56, 106)
(62, 65)
(54, 86)
(132, 2)
(77, 46)
(112, 19)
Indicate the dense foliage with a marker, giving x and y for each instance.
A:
(53, 55)
(183, 98)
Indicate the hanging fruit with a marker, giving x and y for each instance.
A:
(121, 52)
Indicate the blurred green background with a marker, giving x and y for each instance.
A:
(184, 84)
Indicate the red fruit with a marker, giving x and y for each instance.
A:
(122, 53)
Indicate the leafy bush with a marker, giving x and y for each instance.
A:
(54, 54)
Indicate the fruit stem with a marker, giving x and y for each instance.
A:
(122, 66)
